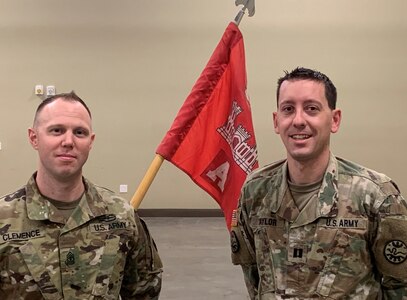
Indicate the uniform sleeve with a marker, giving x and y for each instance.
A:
(390, 245)
(243, 250)
(142, 278)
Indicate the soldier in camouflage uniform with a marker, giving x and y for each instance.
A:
(315, 226)
(62, 237)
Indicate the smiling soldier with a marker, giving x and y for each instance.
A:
(316, 226)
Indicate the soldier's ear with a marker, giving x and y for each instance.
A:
(275, 123)
(33, 138)
(336, 120)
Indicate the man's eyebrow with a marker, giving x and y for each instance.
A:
(312, 101)
(287, 101)
(290, 101)
(55, 125)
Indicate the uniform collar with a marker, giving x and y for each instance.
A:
(39, 208)
(327, 194)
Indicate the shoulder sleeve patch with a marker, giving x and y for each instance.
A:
(152, 251)
(242, 252)
(391, 247)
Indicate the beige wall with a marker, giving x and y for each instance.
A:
(135, 61)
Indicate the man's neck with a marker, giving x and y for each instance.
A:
(306, 172)
(69, 190)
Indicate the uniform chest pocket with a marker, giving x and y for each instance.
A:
(95, 265)
(111, 261)
(12, 266)
(270, 245)
(24, 273)
(343, 261)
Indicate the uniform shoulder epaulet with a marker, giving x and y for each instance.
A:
(99, 189)
(390, 188)
(103, 189)
(19, 194)
(354, 169)
(266, 171)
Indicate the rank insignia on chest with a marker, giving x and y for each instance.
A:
(297, 254)
(70, 259)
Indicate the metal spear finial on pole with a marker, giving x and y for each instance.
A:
(247, 4)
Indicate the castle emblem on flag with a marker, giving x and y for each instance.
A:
(244, 154)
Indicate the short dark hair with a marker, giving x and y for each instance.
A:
(301, 73)
(72, 96)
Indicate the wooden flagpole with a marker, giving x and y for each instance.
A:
(146, 181)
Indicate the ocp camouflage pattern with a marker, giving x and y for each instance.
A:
(349, 242)
(104, 251)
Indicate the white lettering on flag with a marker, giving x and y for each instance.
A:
(220, 175)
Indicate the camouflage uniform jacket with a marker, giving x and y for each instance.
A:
(104, 250)
(349, 241)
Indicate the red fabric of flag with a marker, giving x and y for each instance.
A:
(212, 137)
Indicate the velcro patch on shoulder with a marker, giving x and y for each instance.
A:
(241, 252)
(390, 188)
(391, 247)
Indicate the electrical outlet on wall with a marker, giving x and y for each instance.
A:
(123, 188)
(39, 89)
(51, 90)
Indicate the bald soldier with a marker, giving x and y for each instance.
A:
(316, 226)
(61, 236)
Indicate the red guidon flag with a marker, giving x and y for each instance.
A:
(212, 137)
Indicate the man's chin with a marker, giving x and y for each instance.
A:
(67, 175)
(301, 156)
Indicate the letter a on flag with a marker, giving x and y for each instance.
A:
(212, 137)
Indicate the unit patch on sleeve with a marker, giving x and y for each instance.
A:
(390, 247)
(395, 252)
(234, 242)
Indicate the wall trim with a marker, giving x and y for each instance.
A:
(170, 212)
